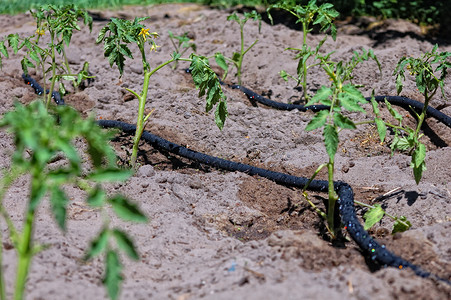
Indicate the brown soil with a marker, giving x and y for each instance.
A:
(223, 235)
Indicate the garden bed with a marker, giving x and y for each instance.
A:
(220, 235)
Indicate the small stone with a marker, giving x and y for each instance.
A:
(146, 171)
(137, 68)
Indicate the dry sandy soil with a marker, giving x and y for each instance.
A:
(224, 235)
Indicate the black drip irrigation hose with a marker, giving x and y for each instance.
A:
(369, 246)
(40, 91)
(403, 102)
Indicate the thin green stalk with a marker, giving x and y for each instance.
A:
(2, 278)
(25, 255)
(304, 46)
(423, 112)
(52, 84)
(140, 120)
(333, 197)
(240, 59)
(142, 105)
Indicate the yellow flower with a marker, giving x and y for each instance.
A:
(144, 33)
(154, 47)
(40, 31)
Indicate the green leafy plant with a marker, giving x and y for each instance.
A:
(237, 57)
(183, 44)
(116, 36)
(308, 15)
(429, 71)
(375, 213)
(342, 95)
(41, 137)
(59, 22)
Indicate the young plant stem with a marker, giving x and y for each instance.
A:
(52, 84)
(142, 105)
(333, 197)
(304, 47)
(423, 112)
(25, 254)
(2, 278)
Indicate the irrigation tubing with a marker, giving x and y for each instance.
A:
(403, 102)
(377, 252)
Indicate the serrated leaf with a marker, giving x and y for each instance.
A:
(126, 210)
(221, 114)
(113, 276)
(322, 94)
(373, 216)
(318, 120)
(343, 122)
(401, 225)
(13, 42)
(98, 244)
(3, 49)
(101, 35)
(59, 203)
(330, 140)
(125, 244)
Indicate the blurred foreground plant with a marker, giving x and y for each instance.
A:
(41, 138)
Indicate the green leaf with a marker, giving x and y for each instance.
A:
(221, 114)
(318, 120)
(113, 277)
(393, 112)
(418, 163)
(220, 60)
(3, 49)
(105, 175)
(96, 197)
(125, 243)
(25, 64)
(98, 245)
(373, 216)
(101, 35)
(381, 128)
(208, 84)
(13, 42)
(322, 94)
(38, 190)
(419, 155)
(34, 56)
(401, 225)
(59, 203)
(351, 97)
(330, 140)
(343, 122)
(126, 210)
(284, 75)
(374, 105)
